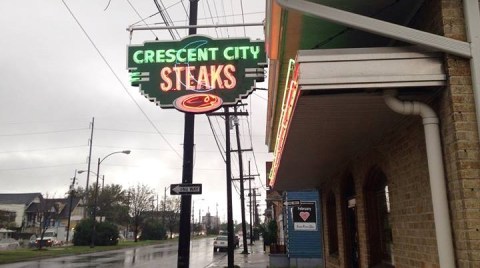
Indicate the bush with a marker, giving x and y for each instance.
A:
(153, 230)
(106, 233)
(83, 233)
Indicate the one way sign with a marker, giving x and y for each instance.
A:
(176, 189)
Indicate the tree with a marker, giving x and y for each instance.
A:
(139, 202)
(111, 202)
(48, 210)
(153, 230)
(106, 233)
(171, 214)
(7, 218)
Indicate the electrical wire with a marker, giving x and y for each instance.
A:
(243, 18)
(118, 79)
(216, 13)
(39, 167)
(220, 148)
(255, 158)
(185, 9)
(225, 19)
(233, 16)
(42, 132)
(211, 16)
(134, 9)
(44, 149)
(166, 18)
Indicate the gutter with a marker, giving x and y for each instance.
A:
(438, 187)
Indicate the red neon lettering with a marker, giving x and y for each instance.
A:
(215, 76)
(203, 80)
(198, 77)
(166, 85)
(230, 81)
(188, 78)
(178, 72)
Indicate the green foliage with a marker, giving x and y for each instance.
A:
(106, 233)
(153, 230)
(83, 233)
(269, 232)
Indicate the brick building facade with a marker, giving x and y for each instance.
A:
(377, 198)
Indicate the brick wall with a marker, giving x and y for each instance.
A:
(401, 156)
(461, 147)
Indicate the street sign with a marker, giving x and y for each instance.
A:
(291, 203)
(186, 188)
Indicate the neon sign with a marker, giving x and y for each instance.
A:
(290, 98)
(215, 72)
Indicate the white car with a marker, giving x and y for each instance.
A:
(220, 242)
(9, 243)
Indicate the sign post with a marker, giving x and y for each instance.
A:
(181, 189)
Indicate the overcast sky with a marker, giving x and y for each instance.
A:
(55, 77)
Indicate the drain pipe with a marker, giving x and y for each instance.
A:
(436, 172)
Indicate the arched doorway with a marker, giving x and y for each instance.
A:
(350, 231)
(379, 230)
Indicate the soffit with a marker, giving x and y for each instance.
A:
(291, 31)
(340, 112)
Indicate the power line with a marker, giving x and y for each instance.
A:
(243, 18)
(254, 157)
(211, 16)
(42, 132)
(39, 167)
(44, 149)
(134, 9)
(166, 18)
(118, 79)
(220, 149)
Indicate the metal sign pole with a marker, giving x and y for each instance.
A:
(183, 260)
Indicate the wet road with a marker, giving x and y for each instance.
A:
(164, 255)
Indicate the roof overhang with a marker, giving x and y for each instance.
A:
(334, 110)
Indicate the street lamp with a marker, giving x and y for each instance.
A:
(94, 214)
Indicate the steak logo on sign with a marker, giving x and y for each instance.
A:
(305, 217)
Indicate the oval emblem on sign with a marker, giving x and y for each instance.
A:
(198, 103)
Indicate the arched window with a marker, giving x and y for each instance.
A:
(332, 224)
(349, 222)
(379, 230)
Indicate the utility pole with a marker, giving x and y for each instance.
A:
(183, 260)
(230, 230)
(250, 197)
(242, 193)
(229, 190)
(72, 192)
(255, 210)
(88, 168)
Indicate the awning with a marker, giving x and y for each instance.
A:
(339, 111)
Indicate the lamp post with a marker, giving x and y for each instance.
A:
(94, 214)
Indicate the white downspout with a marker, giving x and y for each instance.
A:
(436, 171)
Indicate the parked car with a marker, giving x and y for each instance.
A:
(49, 240)
(9, 243)
(220, 242)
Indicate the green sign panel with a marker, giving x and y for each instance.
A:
(197, 74)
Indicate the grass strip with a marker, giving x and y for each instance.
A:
(28, 254)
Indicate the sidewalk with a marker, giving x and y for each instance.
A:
(256, 258)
